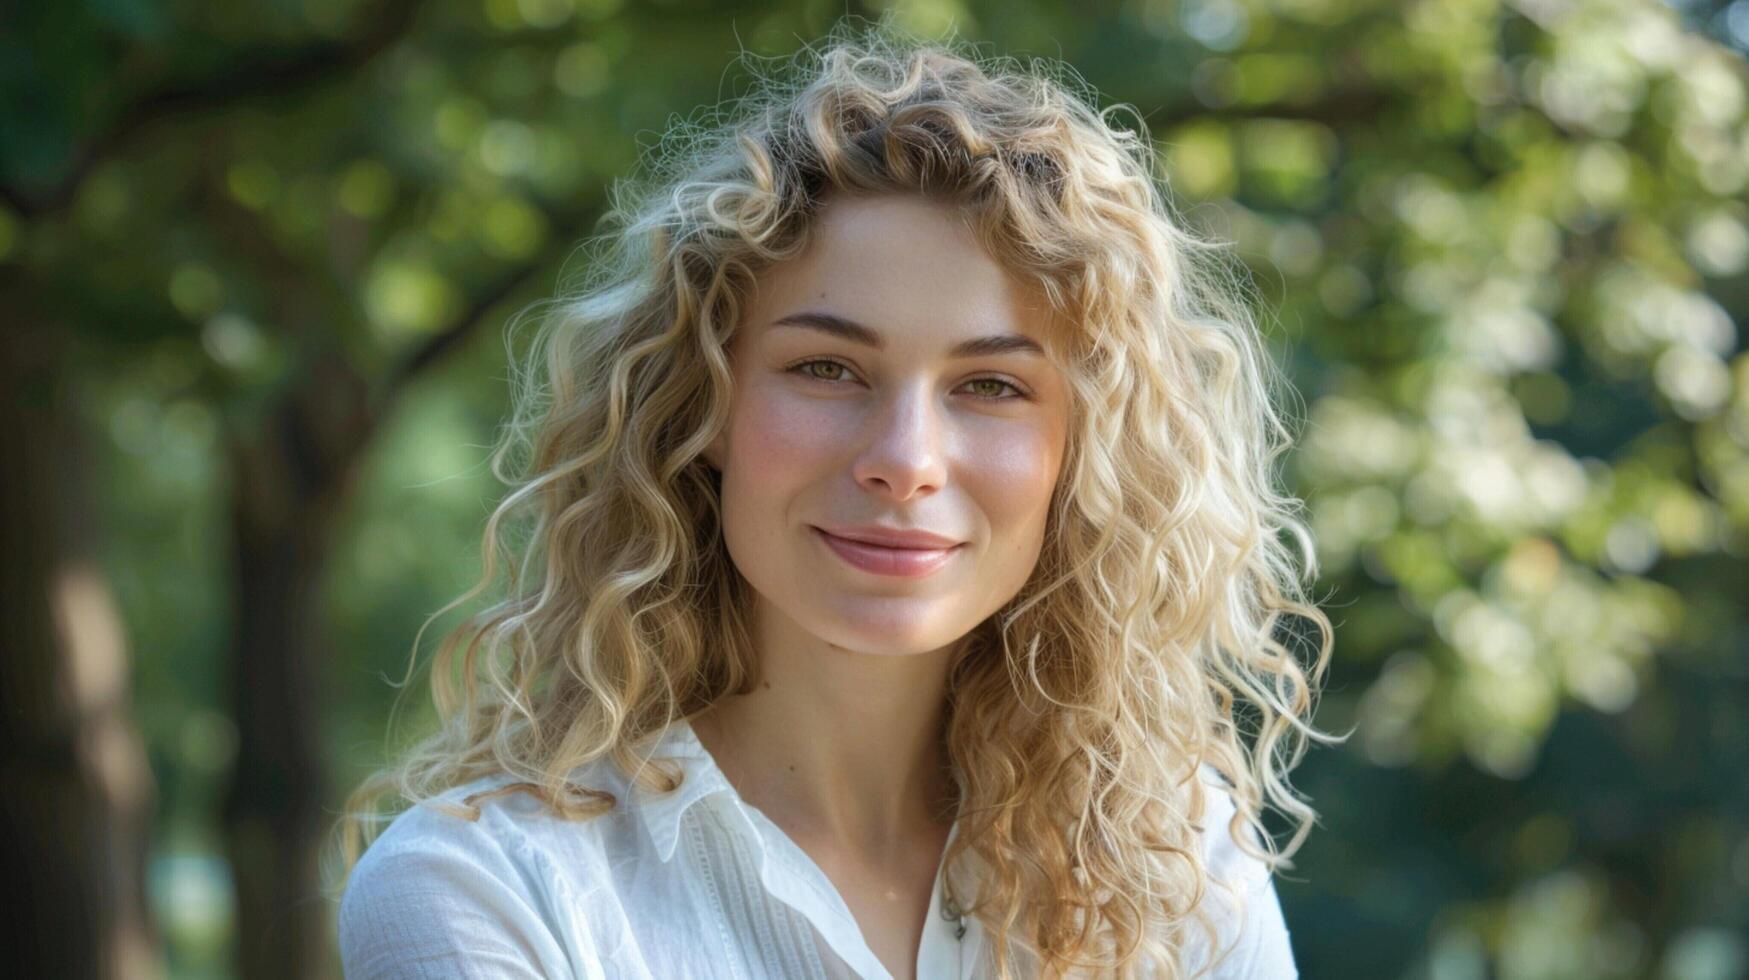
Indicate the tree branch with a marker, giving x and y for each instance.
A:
(253, 75)
(458, 332)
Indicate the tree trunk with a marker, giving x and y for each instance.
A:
(289, 480)
(79, 790)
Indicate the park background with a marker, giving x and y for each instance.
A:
(259, 262)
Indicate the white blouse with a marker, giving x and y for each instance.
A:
(695, 883)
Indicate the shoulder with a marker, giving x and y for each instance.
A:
(1241, 897)
(443, 835)
(1225, 861)
(439, 889)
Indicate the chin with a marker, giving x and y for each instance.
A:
(889, 635)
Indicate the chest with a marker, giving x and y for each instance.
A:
(891, 907)
(892, 903)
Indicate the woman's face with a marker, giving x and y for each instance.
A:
(892, 376)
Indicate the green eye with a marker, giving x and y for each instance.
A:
(837, 371)
(998, 386)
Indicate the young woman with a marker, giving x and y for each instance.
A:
(902, 539)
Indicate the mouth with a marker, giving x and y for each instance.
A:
(883, 560)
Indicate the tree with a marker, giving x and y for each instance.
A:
(79, 794)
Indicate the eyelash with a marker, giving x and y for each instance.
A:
(801, 366)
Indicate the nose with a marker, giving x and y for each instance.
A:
(904, 455)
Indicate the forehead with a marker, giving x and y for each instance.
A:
(908, 267)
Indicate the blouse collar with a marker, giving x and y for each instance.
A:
(662, 812)
(785, 871)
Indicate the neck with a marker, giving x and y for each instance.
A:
(838, 745)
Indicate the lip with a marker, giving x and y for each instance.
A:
(900, 562)
(888, 537)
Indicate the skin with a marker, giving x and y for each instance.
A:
(841, 744)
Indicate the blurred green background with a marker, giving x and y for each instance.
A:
(260, 259)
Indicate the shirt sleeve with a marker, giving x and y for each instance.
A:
(1255, 929)
(444, 900)
(1263, 951)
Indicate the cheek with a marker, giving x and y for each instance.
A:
(1012, 477)
(778, 442)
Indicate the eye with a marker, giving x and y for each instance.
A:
(837, 371)
(804, 369)
(1000, 384)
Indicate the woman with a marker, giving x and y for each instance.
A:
(902, 537)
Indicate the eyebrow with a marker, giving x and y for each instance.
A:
(856, 333)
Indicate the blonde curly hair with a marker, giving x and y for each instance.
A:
(1079, 714)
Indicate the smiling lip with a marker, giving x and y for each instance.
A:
(914, 561)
